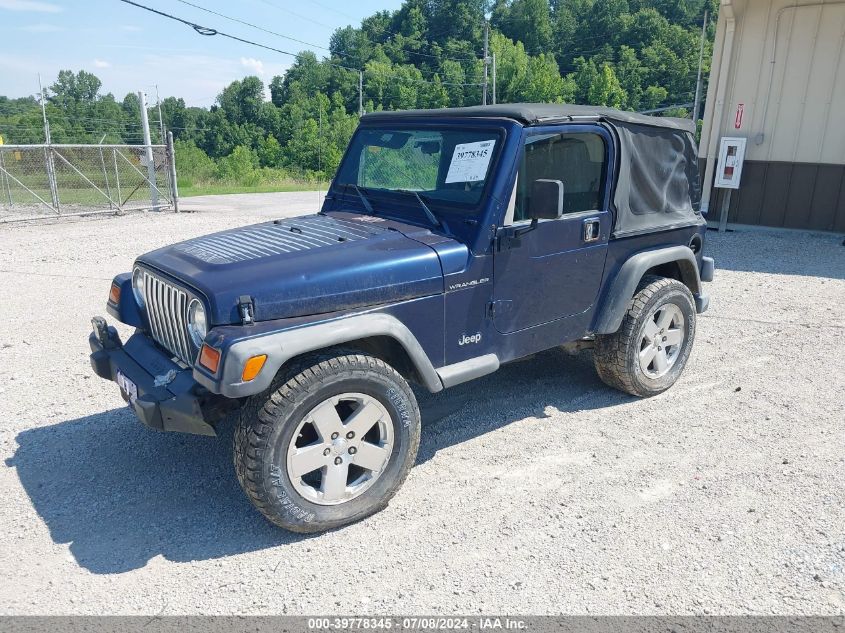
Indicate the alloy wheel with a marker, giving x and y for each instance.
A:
(662, 340)
(340, 448)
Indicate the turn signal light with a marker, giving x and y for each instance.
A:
(210, 358)
(252, 366)
(114, 294)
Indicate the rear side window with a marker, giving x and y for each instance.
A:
(578, 160)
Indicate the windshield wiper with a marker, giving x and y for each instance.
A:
(432, 218)
(364, 200)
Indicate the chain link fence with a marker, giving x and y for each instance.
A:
(49, 181)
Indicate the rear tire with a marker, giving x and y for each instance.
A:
(648, 352)
(329, 443)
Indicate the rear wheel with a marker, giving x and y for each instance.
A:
(331, 445)
(648, 352)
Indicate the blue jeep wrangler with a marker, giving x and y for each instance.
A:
(449, 242)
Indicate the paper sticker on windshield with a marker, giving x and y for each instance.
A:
(470, 161)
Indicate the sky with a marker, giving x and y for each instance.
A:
(130, 49)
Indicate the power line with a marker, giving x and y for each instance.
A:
(381, 30)
(288, 37)
(301, 17)
(665, 108)
(254, 26)
(208, 31)
(327, 8)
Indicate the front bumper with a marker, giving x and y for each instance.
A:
(168, 398)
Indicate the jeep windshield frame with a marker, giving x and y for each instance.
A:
(392, 161)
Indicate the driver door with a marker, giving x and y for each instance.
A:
(554, 270)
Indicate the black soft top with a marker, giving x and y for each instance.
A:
(657, 183)
(538, 114)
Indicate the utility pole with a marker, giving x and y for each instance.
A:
(697, 101)
(320, 138)
(48, 150)
(494, 77)
(151, 168)
(360, 93)
(486, 60)
(43, 111)
(160, 120)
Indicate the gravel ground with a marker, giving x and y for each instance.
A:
(537, 489)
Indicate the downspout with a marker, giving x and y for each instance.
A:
(726, 10)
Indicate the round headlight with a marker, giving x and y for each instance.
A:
(138, 286)
(197, 325)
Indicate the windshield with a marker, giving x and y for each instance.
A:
(443, 165)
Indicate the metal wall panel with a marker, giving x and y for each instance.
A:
(788, 195)
(787, 69)
(786, 73)
(826, 194)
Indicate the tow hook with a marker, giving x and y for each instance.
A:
(107, 336)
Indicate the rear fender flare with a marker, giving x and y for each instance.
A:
(628, 278)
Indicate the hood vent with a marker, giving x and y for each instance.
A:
(280, 237)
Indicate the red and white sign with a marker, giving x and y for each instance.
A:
(740, 110)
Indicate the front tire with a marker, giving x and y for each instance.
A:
(648, 352)
(329, 446)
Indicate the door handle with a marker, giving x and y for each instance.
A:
(592, 229)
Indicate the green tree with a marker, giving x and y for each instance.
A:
(239, 166)
(194, 164)
(529, 21)
(241, 100)
(270, 153)
(72, 89)
(605, 90)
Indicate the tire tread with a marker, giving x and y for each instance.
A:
(262, 411)
(610, 355)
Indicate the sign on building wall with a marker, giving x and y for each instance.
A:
(729, 165)
(740, 112)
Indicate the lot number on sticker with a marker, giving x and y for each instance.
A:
(470, 161)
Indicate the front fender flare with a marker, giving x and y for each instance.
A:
(628, 278)
(283, 345)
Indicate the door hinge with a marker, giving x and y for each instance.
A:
(246, 309)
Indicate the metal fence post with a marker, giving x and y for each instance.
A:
(51, 177)
(171, 165)
(117, 180)
(106, 177)
(7, 184)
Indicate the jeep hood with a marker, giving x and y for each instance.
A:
(306, 265)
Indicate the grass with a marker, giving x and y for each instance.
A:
(209, 189)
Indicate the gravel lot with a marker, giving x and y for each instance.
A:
(537, 489)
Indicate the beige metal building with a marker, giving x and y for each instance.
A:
(778, 80)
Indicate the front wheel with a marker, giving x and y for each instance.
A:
(331, 445)
(648, 352)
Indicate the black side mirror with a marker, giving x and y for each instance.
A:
(546, 201)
